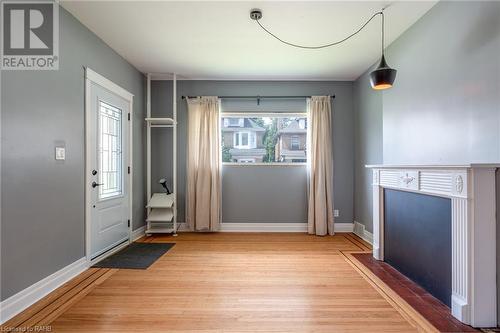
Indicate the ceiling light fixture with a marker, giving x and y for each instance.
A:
(381, 78)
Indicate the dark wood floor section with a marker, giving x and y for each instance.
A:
(437, 313)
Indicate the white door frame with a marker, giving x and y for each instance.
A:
(94, 77)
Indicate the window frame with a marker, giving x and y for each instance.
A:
(243, 114)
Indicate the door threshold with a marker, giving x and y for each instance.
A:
(109, 252)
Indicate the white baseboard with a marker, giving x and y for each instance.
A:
(359, 230)
(263, 227)
(138, 233)
(271, 227)
(343, 227)
(23, 299)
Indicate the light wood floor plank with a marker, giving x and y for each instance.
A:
(63, 299)
(363, 245)
(53, 315)
(49, 299)
(230, 282)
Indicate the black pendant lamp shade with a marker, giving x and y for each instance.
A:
(383, 77)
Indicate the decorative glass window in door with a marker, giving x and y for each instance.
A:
(109, 151)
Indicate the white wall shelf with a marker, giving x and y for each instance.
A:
(160, 215)
(161, 200)
(161, 230)
(161, 207)
(161, 122)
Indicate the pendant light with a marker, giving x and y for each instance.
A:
(383, 77)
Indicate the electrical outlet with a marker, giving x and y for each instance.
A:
(336, 213)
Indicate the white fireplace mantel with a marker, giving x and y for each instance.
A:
(471, 188)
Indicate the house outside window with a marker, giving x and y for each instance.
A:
(292, 140)
(271, 138)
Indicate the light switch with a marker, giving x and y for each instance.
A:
(60, 153)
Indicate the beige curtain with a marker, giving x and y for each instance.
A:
(203, 164)
(320, 159)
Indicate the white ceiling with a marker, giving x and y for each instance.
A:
(217, 40)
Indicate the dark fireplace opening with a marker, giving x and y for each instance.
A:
(417, 239)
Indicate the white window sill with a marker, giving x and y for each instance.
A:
(263, 164)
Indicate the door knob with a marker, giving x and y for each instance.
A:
(94, 184)
(94, 172)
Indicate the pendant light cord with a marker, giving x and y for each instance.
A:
(383, 28)
(333, 43)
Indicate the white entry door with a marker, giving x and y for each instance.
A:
(107, 168)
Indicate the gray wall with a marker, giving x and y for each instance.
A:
(498, 245)
(286, 188)
(264, 194)
(368, 146)
(445, 105)
(42, 200)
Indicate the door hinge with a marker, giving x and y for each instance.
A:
(128, 116)
(128, 223)
(128, 170)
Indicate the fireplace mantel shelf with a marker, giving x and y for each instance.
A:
(471, 189)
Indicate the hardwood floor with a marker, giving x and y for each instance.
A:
(232, 282)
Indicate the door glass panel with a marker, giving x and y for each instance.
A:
(109, 151)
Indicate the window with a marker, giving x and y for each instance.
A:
(246, 160)
(271, 138)
(295, 142)
(234, 122)
(110, 151)
(302, 123)
(245, 140)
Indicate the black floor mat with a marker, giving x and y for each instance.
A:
(135, 256)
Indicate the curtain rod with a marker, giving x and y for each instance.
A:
(258, 97)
